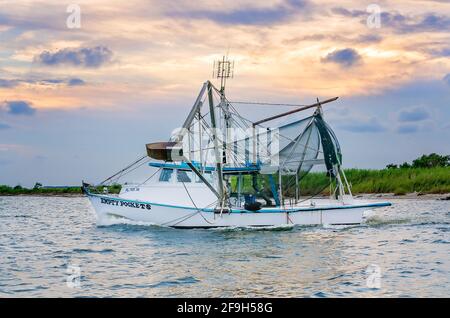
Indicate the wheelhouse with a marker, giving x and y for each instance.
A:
(244, 183)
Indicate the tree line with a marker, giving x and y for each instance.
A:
(432, 160)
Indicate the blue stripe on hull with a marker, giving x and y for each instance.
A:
(338, 207)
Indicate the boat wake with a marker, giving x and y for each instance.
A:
(113, 219)
(282, 227)
(372, 221)
(377, 221)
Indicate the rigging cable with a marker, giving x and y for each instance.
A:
(149, 177)
(124, 173)
(124, 169)
(198, 210)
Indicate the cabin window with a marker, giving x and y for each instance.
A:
(184, 176)
(207, 175)
(166, 175)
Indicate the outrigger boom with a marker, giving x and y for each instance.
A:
(318, 104)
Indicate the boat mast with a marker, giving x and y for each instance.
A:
(224, 69)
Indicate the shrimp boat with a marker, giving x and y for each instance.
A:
(221, 169)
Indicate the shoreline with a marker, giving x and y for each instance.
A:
(407, 196)
(42, 195)
(369, 196)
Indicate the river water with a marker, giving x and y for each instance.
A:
(52, 247)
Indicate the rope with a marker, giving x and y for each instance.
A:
(150, 177)
(124, 169)
(198, 210)
(182, 219)
(124, 172)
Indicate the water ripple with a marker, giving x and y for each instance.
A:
(47, 242)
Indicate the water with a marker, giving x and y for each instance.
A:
(45, 240)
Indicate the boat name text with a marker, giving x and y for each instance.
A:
(128, 204)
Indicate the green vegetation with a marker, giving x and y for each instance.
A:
(38, 189)
(426, 161)
(426, 174)
(398, 181)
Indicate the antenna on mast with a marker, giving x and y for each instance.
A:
(223, 69)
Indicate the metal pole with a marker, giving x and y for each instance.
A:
(239, 188)
(280, 194)
(203, 179)
(294, 111)
(216, 145)
(200, 137)
(195, 108)
(254, 144)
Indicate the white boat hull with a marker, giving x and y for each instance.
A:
(191, 217)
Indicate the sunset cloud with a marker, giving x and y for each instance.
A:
(4, 126)
(75, 82)
(277, 13)
(18, 107)
(4, 83)
(344, 57)
(82, 57)
(413, 115)
(370, 126)
(140, 63)
(297, 47)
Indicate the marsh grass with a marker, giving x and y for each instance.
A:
(399, 181)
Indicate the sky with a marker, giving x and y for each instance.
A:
(81, 95)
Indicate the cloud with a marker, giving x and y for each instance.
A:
(408, 24)
(413, 115)
(75, 82)
(49, 81)
(441, 53)
(249, 16)
(4, 83)
(348, 13)
(345, 57)
(369, 126)
(4, 126)
(339, 38)
(428, 22)
(433, 22)
(36, 19)
(408, 129)
(19, 107)
(446, 79)
(369, 38)
(83, 57)
(69, 82)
